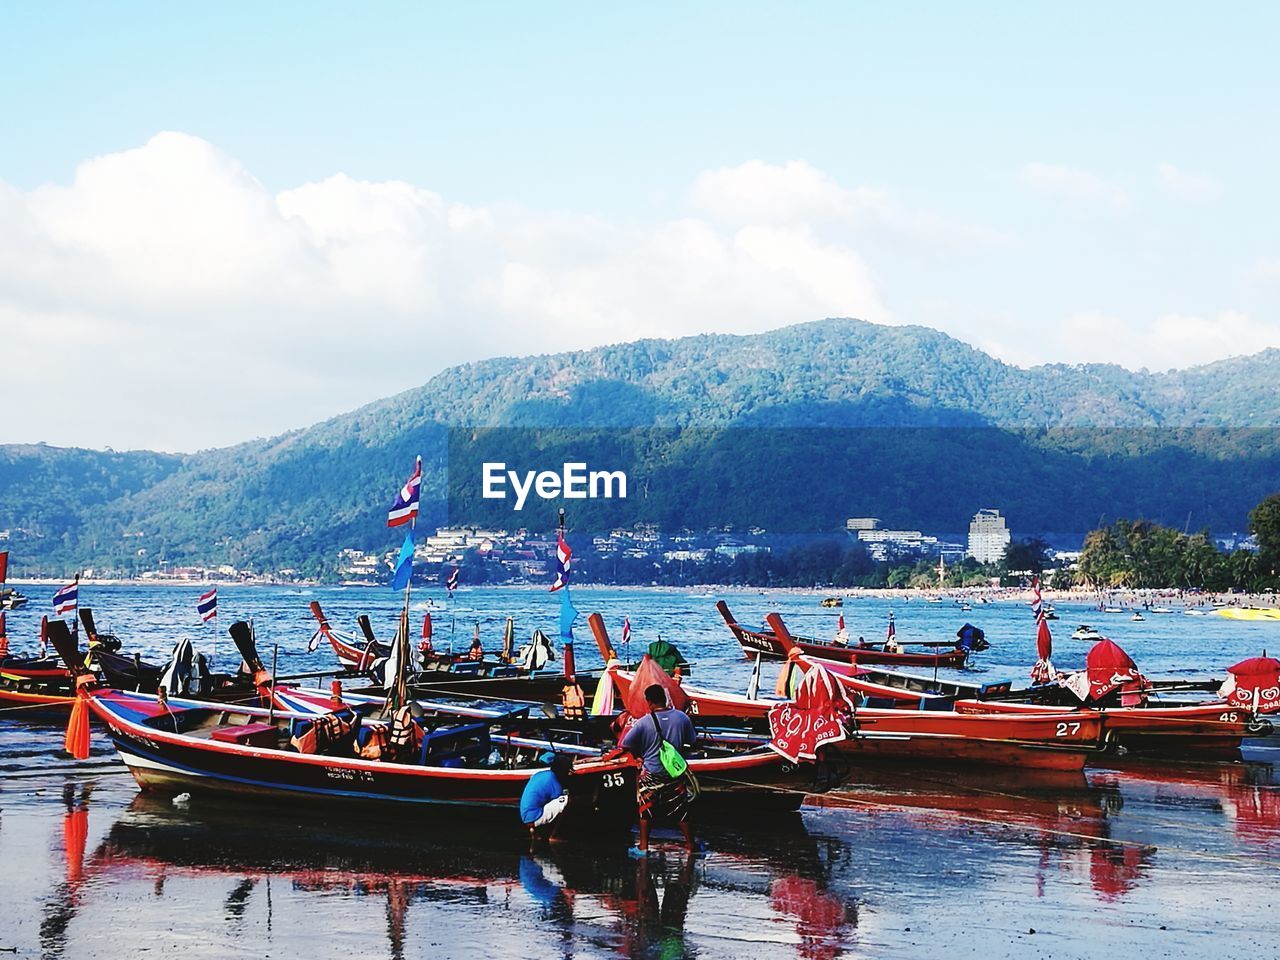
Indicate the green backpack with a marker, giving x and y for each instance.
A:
(672, 760)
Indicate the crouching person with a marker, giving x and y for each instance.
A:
(545, 797)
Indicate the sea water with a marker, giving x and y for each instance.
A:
(1169, 859)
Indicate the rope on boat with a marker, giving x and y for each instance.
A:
(37, 706)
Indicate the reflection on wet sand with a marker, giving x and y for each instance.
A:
(630, 908)
(1081, 821)
(882, 861)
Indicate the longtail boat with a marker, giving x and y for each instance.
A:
(175, 745)
(729, 766)
(1048, 741)
(1212, 728)
(1044, 741)
(33, 687)
(766, 643)
(37, 687)
(446, 675)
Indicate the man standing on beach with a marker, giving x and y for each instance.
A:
(660, 796)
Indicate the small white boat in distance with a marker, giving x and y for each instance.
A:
(1085, 632)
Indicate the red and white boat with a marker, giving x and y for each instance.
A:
(766, 643)
(1048, 741)
(1212, 728)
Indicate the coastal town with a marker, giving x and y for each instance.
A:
(989, 555)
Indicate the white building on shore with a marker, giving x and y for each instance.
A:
(988, 536)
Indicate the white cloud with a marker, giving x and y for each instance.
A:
(1266, 271)
(1163, 342)
(166, 299)
(1185, 185)
(1074, 184)
(796, 193)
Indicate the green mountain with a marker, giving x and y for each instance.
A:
(794, 430)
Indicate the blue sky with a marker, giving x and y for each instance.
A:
(1048, 182)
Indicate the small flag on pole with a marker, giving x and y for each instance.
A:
(568, 614)
(404, 565)
(451, 582)
(207, 605)
(1037, 605)
(405, 509)
(563, 556)
(64, 601)
(626, 630)
(893, 632)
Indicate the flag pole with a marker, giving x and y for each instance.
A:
(397, 686)
(401, 693)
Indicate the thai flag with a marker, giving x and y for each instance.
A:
(207, 605)
(451, 582)
(64, 601)
(1037, 606)
(626, 630)
(406, 506)
(893, 632)
(563, 556)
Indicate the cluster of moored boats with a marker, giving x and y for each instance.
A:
(472, 730)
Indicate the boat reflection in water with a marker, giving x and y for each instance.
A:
(1107, 826)
(877, 869)
(471, 890)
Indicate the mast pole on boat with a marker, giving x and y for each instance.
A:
(397, 686)
(400, 693)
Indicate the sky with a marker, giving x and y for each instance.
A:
(223, 221)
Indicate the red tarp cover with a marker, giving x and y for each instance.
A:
(1257, 673)
(814, 718)
(649, 673)
(1106, 668)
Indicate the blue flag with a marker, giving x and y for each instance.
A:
(567, 616)
(404, 565)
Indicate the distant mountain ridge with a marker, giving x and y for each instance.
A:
(294, 500)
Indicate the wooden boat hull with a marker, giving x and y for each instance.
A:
(46, 668)
(765, 643)
(1212, 730)
(1054, 741)
(752, 776)
(31, 694)
(966, 752)
(602, 790)
(171, 762)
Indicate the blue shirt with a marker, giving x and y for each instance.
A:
(542, 788)
(642, 740)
